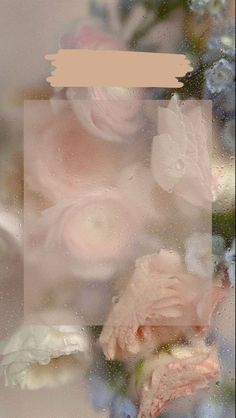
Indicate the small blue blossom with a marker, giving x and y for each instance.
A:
(98, 11)
(224, 102)
(223, 40)
(230, 262)
(122, 407)
(213, 7)
(220, 76)
(229, 135)
(226, 356)
(218, 248)
(101, 394)
(207, 409)
(127, 5)
(199, 6)
(216, 7)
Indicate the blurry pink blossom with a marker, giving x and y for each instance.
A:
(169, 375)
(90, 236)
(90, 35)
(137, 183)
(61, 158)
(111, 113)
(180, 159)
(161, 303)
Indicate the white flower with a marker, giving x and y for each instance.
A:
(198, 256)
(39, 356)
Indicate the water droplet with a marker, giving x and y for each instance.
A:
(115, 299)
(180, 165)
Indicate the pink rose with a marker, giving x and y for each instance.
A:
(180, 157)
(111, 113)
(168, 376)
(161, 303)
(89, 237)
(61, 159)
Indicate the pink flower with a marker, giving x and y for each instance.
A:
(168, 376)
(161, 303)
(111, 113)
(89, 236)
(137, 183)
(61, 159)
(90, 36)
(180, 158)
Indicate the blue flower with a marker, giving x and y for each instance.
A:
(127, 5)
(229, 135)
(213, 7)
(101, 394)
(226, 355)
(223, 40)
(218, 248)
(199, 6)
(216, 7)
(122, 407)
(230, 262)
(208, 409)
(98, 11)
(224, 102)
(220, 76)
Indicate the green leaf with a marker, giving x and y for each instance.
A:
(160, 9)
(225, 393)
(116, 375)
(96, 330)
(223, 224)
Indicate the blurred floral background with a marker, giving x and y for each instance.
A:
(204, 30)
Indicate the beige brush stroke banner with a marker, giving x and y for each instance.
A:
(88, 68)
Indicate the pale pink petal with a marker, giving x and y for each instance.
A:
(166, 377)
(160, 303)
(87, 236)
(180, 160)
(110, 113)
